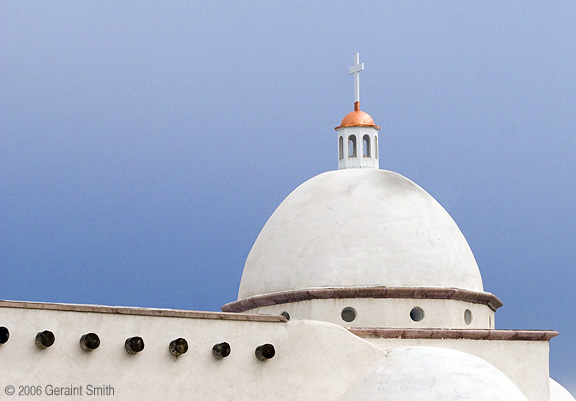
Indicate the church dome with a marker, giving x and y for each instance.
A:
(357, 118)
(429, 373)
(558, 392)
(358, 228)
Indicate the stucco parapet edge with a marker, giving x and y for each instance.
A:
(444, 334)
(124, 310)
(283, 297)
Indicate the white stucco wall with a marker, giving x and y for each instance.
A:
(524, 362)
(314, 361)
(438, 313)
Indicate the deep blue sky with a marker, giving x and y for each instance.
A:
(143, 145)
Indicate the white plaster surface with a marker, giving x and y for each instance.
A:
(393, 313)
(426, 373)
(524, 362)
(314, 360)
(359, 227)
(558, 392)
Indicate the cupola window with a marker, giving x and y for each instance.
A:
(340, 148)
(352, 146)
(366, 146)
(375, 147)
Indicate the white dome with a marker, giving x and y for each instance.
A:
(558, 392)
(359, 227)
(428, 373)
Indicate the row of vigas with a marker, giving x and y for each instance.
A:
(90, 342)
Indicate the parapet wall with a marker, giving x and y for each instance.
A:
(301, 369)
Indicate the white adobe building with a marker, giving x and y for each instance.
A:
(359, 287)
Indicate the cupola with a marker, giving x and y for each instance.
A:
(357, 133)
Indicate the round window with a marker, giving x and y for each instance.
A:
(348, 314)
(417, 314)
(467, 316)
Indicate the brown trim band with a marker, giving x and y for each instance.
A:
(277, 298)
(443, 334)
(358, 125)
(122, 310)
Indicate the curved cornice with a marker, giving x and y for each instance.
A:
(457, 294)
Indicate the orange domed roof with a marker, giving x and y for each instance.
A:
(357, 119)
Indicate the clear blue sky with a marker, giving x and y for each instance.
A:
(143, 145)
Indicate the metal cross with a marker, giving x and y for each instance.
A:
(355, 69)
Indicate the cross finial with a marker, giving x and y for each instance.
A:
(355, 69)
